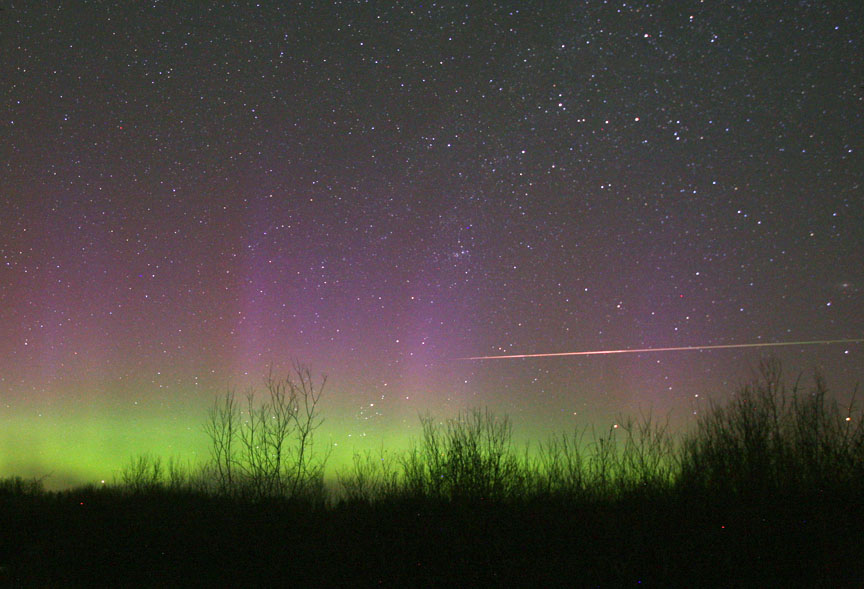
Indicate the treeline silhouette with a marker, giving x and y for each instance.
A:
(765, 490)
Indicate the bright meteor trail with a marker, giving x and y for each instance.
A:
(675, 349)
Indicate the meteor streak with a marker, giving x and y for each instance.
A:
(675, 349)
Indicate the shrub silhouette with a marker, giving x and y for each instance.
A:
(371, 478)
(770, 439)
(469, 457)
(604, 467)
(19, 486)
(145, 473)
(472, 457)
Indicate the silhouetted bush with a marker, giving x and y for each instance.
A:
(770, 439)
(143, 474)
(371, 477)
(469, 457)
(606, 468)
(18, 486)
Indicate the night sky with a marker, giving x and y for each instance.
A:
(189, 194)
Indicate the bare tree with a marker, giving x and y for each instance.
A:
(222, 429)
(269, 451)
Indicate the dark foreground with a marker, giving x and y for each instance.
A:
(767, 491)
(110, 538)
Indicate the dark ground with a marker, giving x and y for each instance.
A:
(108, 538)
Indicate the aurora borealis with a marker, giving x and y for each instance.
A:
(189, 194)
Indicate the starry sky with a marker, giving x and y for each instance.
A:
(192, 192)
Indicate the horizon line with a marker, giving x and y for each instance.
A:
(667, 349)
